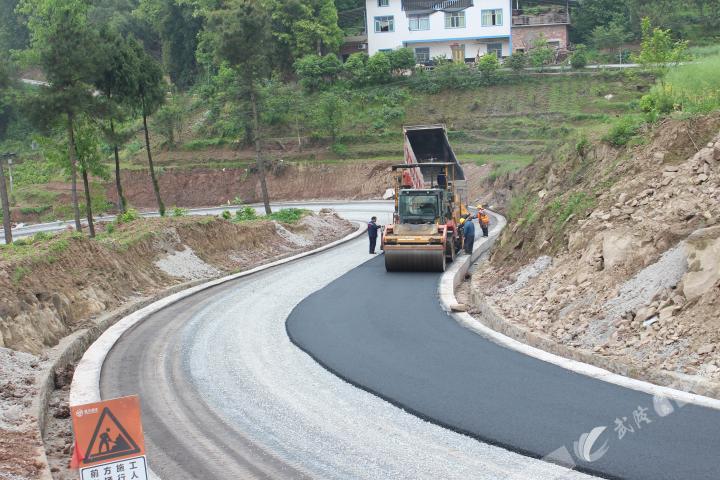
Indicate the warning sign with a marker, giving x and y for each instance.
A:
(108, 432)
(129, 469)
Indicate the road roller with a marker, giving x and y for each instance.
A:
(429, 201)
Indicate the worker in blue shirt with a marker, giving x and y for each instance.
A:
(373, 233)
(469, 235)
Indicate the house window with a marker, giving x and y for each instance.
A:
(492, 18)
(419, 22)
(454, 19)
(383, 3)
(495, 48)
(422, 54)
(384, 24)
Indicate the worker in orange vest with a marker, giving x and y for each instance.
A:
(483, 220)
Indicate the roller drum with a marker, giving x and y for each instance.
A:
(414, 260)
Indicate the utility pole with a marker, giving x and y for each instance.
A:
(5, 200)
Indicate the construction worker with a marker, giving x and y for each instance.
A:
(483, 220)
(469, 235)
(373, 233)
(461, 234)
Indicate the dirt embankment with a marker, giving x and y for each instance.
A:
(200, 187)
(54, 287)
(46, 296)
(617, 253)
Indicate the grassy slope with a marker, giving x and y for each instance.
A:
(504, 125)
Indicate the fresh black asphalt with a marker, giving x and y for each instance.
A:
(386, 333)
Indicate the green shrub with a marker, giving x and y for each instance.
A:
(226, 215)
(179, 212)
(315, 71)
(340, 150)
(35, 210)
(623, 130)
(355, 69)
(488, 66)
(579, 60)
(110, 228)
(245, 214)
(129, 216)
(401, 59)
(289, 215)
(379, 68)
(582, 145)
(59, 246)
(41, 236)
(517, 61)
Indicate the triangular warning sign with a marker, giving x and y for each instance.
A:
(110, 440)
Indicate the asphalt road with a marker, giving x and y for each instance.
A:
(349, 208)
(386, 333)
(225, 394)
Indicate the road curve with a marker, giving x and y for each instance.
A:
(386, 333)
(227, 395)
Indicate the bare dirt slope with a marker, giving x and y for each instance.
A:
(200, 187)
(617, 253)
(54, 287)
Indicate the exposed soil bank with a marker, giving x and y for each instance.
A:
(616, 254)
(200, 187)
(66, 284)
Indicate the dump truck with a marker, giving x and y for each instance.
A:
(430, 197)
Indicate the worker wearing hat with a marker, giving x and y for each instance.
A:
(483, 220)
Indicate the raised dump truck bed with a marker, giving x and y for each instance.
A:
(430, 144)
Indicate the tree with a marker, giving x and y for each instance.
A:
(7, 112)
(610, 37)
(149, 96)
(13, 31)
(658, 50)
(304, 27)
(87, 144)
(541, 53)
(178, 27)
(314, 71)
(355, 68)
(283, 105)
(378, 68)
(579, 60)
(401, 59)
(589, 14)
(117, 84)
(169, 119)
(488, 66)
(65, 47)
(330, 114)
(517, 61)
(240, 36)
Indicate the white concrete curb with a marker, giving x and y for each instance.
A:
(455, 274)
(85, 387)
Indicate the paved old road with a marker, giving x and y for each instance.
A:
(227, 395)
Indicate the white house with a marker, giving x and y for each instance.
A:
(457, 29)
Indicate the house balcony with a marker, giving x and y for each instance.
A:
(427, 6)
(550, 18)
